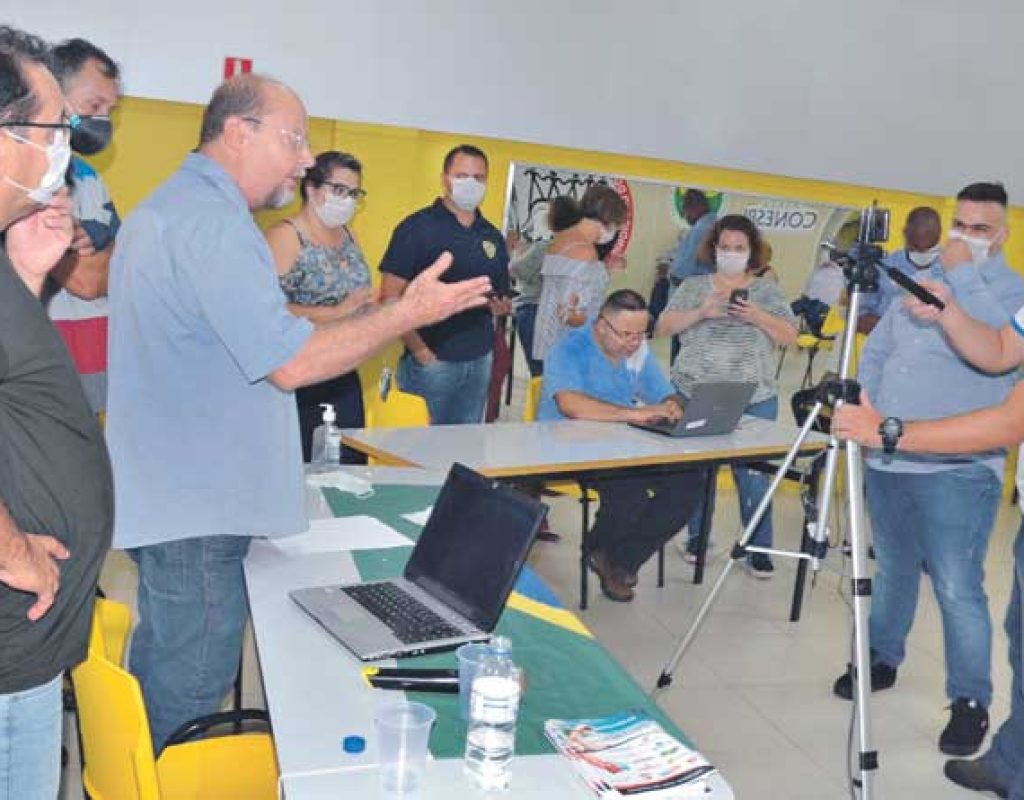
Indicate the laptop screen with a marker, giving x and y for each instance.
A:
(474, 544)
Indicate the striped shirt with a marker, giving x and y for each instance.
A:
(726, 348)
(83, 323)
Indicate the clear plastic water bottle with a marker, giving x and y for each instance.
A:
(493, 708)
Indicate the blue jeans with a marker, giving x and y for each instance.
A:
(750, 486)
(30, 734)
(941, 521)
(526, 321)
(455, 391)
(192, 612)
(1005, 758)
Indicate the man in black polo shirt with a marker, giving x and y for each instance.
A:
(56, 492)
(449, 364)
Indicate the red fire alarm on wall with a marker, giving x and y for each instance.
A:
(233, 65)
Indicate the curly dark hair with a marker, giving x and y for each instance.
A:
(740, 224)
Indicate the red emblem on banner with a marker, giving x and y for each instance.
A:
(236, 66)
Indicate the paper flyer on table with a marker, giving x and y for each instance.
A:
(630, 754)
(338, 534)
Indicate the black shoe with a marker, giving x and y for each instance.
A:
(760, 566)
(882, 677)
(968, 724)
(973, 774)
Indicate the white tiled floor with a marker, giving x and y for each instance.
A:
(754, 691)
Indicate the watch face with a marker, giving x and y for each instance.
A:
(892, 427)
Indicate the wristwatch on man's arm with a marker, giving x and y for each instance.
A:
(890, 430)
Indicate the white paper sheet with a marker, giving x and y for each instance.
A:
(344, 481)
(420, 517)
(338, 534)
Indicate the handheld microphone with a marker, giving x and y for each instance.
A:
(913, 287)
(849, 257)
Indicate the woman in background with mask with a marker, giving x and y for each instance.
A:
(324, 275)
(573, 277)
(724, 337)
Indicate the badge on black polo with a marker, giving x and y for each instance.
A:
(490, 248)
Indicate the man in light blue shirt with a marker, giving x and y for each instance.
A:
(605, 372)
(687, 262)
(204, 356)
(935, 512)
(921, 236)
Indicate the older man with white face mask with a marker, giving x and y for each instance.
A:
(204, 356)
(56, 498)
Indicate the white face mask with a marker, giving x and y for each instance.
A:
(335, 212)
(58, 156)
(731, 262)
(467, 193)
(923, 258)
(635, 362)
(979, 246)
(607, 234)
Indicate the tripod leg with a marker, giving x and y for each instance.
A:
(867, 758)
(665, 679)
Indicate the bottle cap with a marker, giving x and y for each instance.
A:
(353, 744)
(329, 415)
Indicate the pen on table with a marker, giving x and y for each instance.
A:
(417, 680)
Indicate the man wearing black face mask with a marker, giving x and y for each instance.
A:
(89, 79)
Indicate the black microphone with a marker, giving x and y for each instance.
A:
(913, 287)
(843, 257)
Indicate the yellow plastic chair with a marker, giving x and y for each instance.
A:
(399, 410)
(572, 489)
(119, 762)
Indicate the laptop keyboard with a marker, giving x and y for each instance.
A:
(407, 617)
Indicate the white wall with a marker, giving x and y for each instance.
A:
(920, 95)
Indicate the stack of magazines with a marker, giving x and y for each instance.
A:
(630, 754)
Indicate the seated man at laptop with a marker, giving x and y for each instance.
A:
(604, 372)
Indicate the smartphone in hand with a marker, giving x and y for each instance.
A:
(738, 296)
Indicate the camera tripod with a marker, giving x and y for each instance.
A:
(861, 273)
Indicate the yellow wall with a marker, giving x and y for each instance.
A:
(402, 172)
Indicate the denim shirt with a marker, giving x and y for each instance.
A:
(685, 264)
(910, 371)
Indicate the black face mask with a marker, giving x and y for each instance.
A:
(91, 135)
(604, 249)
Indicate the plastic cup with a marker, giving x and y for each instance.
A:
(403, 730)
(470, 657)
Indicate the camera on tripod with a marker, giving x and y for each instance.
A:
(862, 262)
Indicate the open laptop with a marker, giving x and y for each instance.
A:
(455, 583)
(714, 409)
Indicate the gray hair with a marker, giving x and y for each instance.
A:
(17, 48)
(240, 96)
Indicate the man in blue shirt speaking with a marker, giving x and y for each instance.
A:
(204, 356)
(604, 372)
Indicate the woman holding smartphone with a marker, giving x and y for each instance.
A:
(729, 324)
